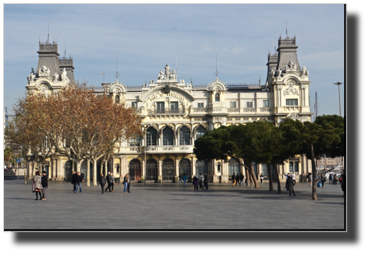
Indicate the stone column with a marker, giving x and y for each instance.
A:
(176, 168)
(215, 176)
(88, 177)
(94, 172)
(50, 168)
(193, 166)
(143, 169)
(29, 170)
(159, 169)
(106, 167)
(60, 171)
(123, 168)
(224, 172)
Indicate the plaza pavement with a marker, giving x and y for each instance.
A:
(171, 206)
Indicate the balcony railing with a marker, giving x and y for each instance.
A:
(168, 111)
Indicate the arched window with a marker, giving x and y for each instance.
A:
(184, 136)
(151, 170)
(151, 136)
(217, 97)
(233, 167)
(201, 167)
(168, 136)
(168, 169)
(185, 168)
(135, 170)
(117, 99)
(200, 131)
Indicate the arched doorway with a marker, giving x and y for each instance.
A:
(233, 167)
(151, 170)
(135, 170)
(168, 170)
(68, 170)
(185, 168)
(201, 167)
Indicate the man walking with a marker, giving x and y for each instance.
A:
(290, 185)
(102, 183)
(44, 183)
(330, 178)
(73, 180)
(200, 180)
(128, 183)
(234, 179)
(109, 180)
(242, 179)
(206, 182)
(185, 178)
(79, 180)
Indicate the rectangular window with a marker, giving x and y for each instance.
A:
(292, 102)
(134, 104)
(160, 107)
(266, 103)
(174, 106)
(296, 167)
(249, 104)
(291, 167)
(135, 141)
(233, 104)
(200, 104)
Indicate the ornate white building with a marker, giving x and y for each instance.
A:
(174, 114)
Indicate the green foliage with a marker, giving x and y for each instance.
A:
(337, 141)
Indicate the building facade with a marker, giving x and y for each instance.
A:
(174, 114)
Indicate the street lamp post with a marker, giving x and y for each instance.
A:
(339, 94)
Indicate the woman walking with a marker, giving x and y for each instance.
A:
(125, 182)
(261, 179)
(44, 184)
(37, 183)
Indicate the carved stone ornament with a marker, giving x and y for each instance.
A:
(56, 77)
(167, 89)
(291, 66)
(44, 71)
(31, 77)
(64, 76)
(304, 71)
(291, 89)
(294, 116)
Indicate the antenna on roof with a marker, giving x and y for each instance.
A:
(259, 80)
(117, 74)
(65, 48)
(191, 80)
(216, 73)
(48, 33)
(286, 20)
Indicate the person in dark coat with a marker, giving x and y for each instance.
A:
(102, 183)
(234, 179)
(195, 183)
(200, 180)
(330, 178)
(44, 183)
(109, 180)
(73, 180)
(242, 180)
(206, 182)
(290, 185)
(343, 185)
(128, 183)
(79, 180)
(125, 182)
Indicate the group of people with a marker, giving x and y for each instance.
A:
(109, 179)
(76, 180)
(238, 179)
(40, 185)
(202, 181)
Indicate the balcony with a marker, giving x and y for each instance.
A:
(160, 149)
(166, 111)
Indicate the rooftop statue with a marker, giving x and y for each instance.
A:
(44, 71)
(160, 75)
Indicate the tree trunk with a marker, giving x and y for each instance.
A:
(248, 177)
(78, 164)
(94, 172)
(277, 177)
(251, 171)
(102, 168)
(314, 194)
(270, 177)
(88, 173)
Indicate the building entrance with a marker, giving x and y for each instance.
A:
(168, 170)
(185, 168)
(135, 170)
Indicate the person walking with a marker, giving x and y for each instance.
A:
(261, 179)
(128, 183)
(200, 180)
(185, 178)
(37, 185)
(206, 182)
(343, 185)
(242, 179)
(310, 179)
(335, 179)
(234, 179)
(73, 180)
(330, 178)
(195, 183)
(322, 180)
(44, 183)
(109, 180)
(290, 185)
(125, 182)
(293, 177)
(79, 180)
(102, 183)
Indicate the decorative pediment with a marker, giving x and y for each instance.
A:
(174, 92)
(117, 87)
(294, 116)
(217, 85)
(292, 89)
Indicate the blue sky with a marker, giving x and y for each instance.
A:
(145, 38)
